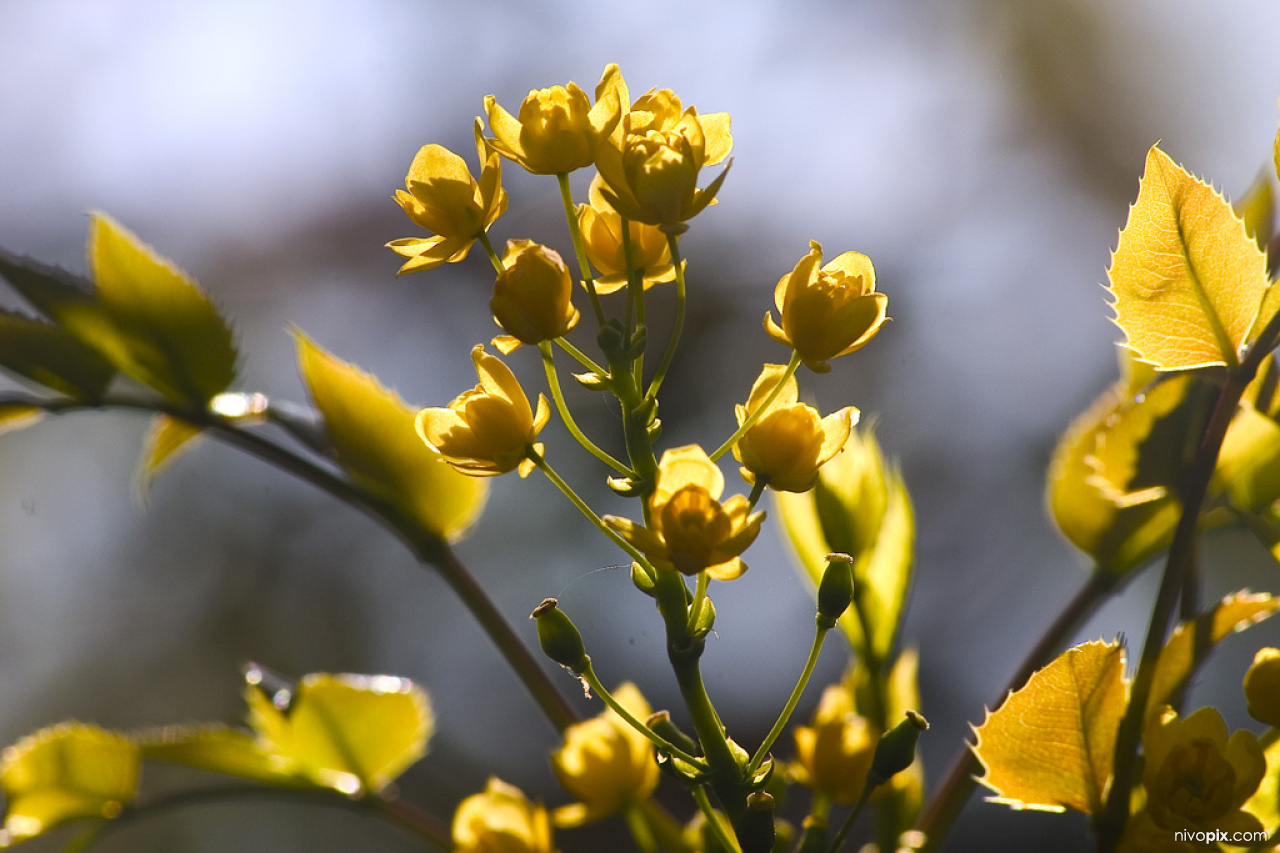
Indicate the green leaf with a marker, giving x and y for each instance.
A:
(859, 507)
(377, 445)
(51, 356)
(53, 291)
(65, 772)
(217, 748)
(1191, 642)
(167, 439)
(159, 327)
(1051, 745)
(1188, 281)
(352, 733)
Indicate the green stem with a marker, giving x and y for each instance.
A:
(575, 233)
(961, 778)
(699, 597)
(713, 820)
(423, 824)
(757, 490)
(581, 357)
(774, 733)
(755, 414)
(677, 326)
(425, 545)
(589, 675)
(635, 295)
(493, 255)
(848, 821)
(553, 382)
(587, 511)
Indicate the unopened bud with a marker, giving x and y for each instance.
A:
(1262, 687)
(661, 724)
(896, 749)
(559, 638)
(835, 591)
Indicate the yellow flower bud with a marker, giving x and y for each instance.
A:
(501, 820)
(1195, 776)
(605, 763)
(444, 199)
(834, 752)
(557, 130)
(531, 298)
(827, 312)
(788, 443)
(1262, 687)
(692, 530)
(489, 429)
(601, 228)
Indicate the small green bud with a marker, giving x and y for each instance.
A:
(638, 340)
(896, 749)
(661, 724)
(706, 618)
(644, 580)
(654, 429)
(592, 381)
(835, 592)
(755, 828)
(559, 638)
(628, 487)
(612, 340)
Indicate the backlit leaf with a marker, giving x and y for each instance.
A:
(377, 444)
(51, 356)
(1191, 642)
(163, 330)
(51, 290)
(62, 773)
(1248, 468)
(1257, 209)
(1187, 280)
(859, 507)
(219, 749)
(1051, 745)
(167, 439)
(1265, 802)
(352, 733)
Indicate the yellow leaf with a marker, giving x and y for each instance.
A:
(377, 444)
(219, 749)
(352, 733)
(1257, 210)
(1051, 745)
(1191, 642)
(51, 356)
(167, 439)
(1265, 802)
(1248, 468)
(15, 417)
(155, 324)
(1187, 280)
(859, 507)
(65, 772)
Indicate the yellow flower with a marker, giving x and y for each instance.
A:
(531, 298)
(834, 752)
(1195, 776)
(827, 312)
(789, 443)
(692, 531)
(1141, 835)
(601, 228)
(557, 131)
(1262, 687)
(605, 762)
(651, 163)
(444, 199)
(489, 429)
(501, 820)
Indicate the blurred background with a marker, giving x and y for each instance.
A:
(983, 153)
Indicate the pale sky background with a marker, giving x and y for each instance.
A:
(982, 152)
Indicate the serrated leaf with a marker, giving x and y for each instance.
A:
(859, 507)
(1187, 280)
(1256, 208)
(65, 772)
(167, 439)
(51, 290)
(52, 357)
(352, 733)
(16, 416)
(162, 330)
(217, 748)
(1050, 746)
(1191, 642)
(377, 445)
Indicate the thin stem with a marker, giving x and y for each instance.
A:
(635, 296)
(774, 733)
(426, 546)
(848, 821)
(755, 414)
(677, 326)
(581, 357)
(727, 841)
(757, 490)
(960, 781)
(699, 598)
(584, 267)
(664, 745)
(586, 510)
(553, 382)
(493, 255)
